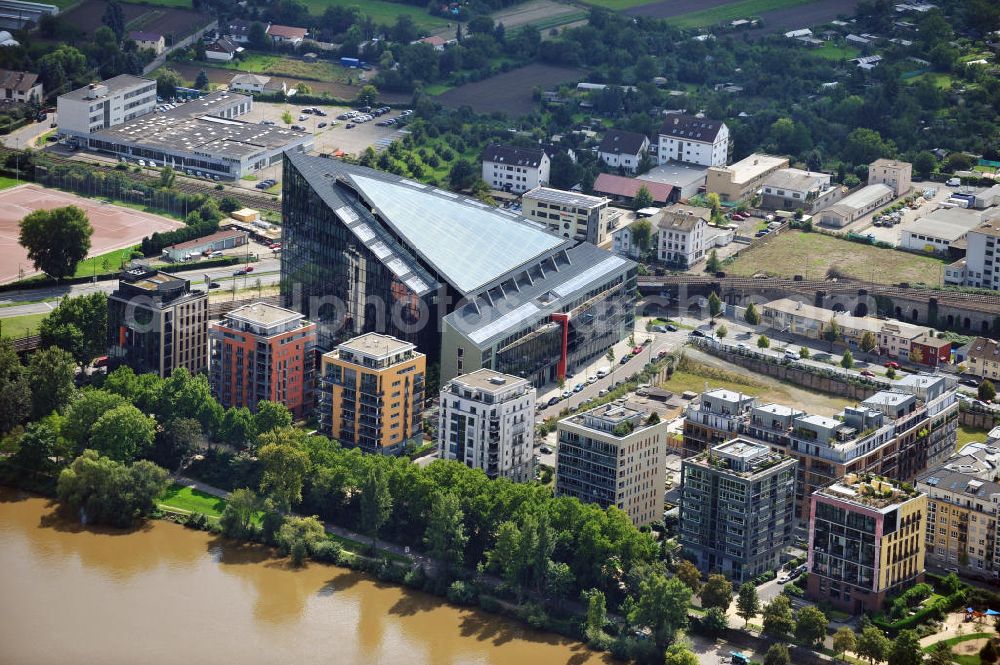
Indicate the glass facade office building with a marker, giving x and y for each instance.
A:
(365, 251)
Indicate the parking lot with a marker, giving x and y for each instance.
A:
(330, 138)
(892, 234)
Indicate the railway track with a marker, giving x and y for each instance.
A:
(980, 301)
(247, 198)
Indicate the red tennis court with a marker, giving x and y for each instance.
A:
(114, 227)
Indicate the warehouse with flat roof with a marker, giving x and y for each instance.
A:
(201, 137)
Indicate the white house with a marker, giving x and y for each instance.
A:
(621, 149)
(152, 41)
(514, 169)
(222, 49)
(286, 34)
(680, 235)
(257, 84)
(688, 138)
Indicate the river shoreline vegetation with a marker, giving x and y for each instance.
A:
(104, 449)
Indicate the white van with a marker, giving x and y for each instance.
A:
(217, 253)
(603, 372)
(953, 182)
(792, 355)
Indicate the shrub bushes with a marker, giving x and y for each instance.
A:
(461, 593)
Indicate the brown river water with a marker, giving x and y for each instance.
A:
(166, 594)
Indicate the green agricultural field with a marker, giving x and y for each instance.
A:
(20, 326)
(940, 80)
(382, 11)
(733, 10)
(618, 5)
(811, 254)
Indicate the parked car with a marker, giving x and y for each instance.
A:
(625, 359)
(698, 333)
(636, 350)
(349, 125)
(240, 272)
(579, 387)
(546, 450)
(321, 125)
(892, 364)
(249, 268)
(592, 379)
(553, 401)
(213, 285)
(792, 355)
(867, 372)
(671, 327)
(566, 394)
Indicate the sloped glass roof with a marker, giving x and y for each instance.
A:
(468, 245)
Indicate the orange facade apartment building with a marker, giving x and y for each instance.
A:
(263, 352)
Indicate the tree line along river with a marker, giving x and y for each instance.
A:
(165, 594)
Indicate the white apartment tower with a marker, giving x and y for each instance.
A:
(486, 421)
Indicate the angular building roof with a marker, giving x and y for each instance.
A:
(618, 141)
(461, 240)
(617, 185)
(508, 154)
(691, 128)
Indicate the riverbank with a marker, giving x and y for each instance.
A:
(229, 602)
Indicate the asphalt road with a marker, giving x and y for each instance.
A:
(41, 301)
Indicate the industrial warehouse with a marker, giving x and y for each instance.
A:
(200, 137)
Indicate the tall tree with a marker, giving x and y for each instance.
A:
(847, 360)
(597, 615)
(176, 440)
(114, 18)
(714, 265)
(123, 433)
(376, 502)
(201, 81)
(237, 517)
(906, 649)
(445, 535)
(679, 654)
(717, 592)
(689, 574)
(662, 607)
(868, 342)
(51, 373)
(844, 641)
(15, 388)
(747, 602)
(85, 410)
(271, 416)
(872, 645)
(752, 316)
(986, 391)
(41, 448)
(810, 625)
(778, 620)
(56, 240)
(643, 198)
(79, 325)
(714, 304)
(642, 233)
(777, 654)
(238, 427)
(283, 471)
(107, 492)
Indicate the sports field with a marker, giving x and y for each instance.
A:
(115, 227)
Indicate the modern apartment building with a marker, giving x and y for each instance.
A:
(156, 323)
(688, 138)
(866, 542)
(372, 394)
(718, 416)
(680, 235)
(569, 214)
(263, 352)
(515, 169)
(486, 420)
(614, 455)
(741, 181)
(737, 509)
(794, 189)
(472, 286)
(892, 173)
(104, 105)
(961, 521)
(897, 433)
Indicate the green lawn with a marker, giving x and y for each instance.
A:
(812, 254)
(733, 10)
(191, 500)
(437, 88)
(381, 11)
(6, 183)
(280, 65)
(941, 81)
(968, 434)
(20, 326)
(836, 52)
(102, 263)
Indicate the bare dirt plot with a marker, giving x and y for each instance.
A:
(509, 92)
(114, 227)
(172, 22)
